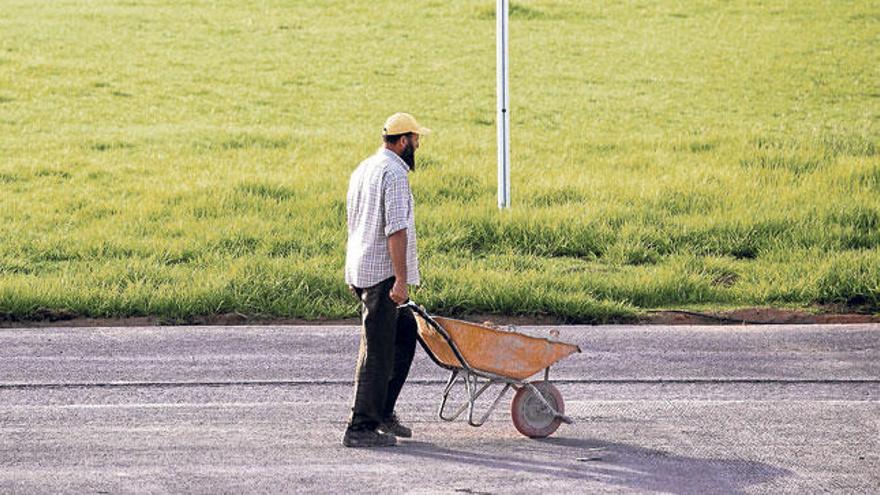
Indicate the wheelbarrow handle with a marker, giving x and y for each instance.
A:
(440, 330)
(417, 309)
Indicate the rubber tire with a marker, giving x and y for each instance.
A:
(524, 399)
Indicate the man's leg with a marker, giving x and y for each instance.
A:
(376, 356)
(404, 350)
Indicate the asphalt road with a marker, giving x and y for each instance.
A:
(762, 409)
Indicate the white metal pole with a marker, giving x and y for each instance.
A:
(503, 117)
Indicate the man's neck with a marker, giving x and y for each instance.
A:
(389, 148)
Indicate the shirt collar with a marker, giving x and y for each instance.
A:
(393, 156)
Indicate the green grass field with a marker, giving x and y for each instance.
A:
(191, 158)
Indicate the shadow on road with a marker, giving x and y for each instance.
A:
(612, 463)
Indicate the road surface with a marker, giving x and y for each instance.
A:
(725, 409)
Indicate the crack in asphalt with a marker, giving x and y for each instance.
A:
(299, 383)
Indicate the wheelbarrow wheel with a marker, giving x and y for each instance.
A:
(530, 416)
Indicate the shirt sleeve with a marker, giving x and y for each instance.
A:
(396, 202)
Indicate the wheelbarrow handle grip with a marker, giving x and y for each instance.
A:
(417, 309)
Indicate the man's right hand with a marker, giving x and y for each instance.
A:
(399, 293)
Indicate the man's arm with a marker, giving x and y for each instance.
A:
(397, 250)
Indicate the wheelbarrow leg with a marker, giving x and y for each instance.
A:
(472, 395)
(468, 404)
(449, 385)
(492, 407)
(474, 390)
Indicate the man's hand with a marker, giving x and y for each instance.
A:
(399, 293)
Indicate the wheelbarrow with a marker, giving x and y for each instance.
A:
(479, 356)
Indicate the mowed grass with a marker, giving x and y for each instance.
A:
(182, 159)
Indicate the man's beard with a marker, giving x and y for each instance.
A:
(408, 155)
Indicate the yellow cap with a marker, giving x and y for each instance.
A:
(403, 123)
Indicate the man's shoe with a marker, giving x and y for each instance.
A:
(367, 438)
(392, 425)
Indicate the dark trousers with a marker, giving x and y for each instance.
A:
(388, 343)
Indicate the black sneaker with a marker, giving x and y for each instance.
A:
(392, 425)
(367, 438)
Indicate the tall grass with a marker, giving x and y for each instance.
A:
(159, 158)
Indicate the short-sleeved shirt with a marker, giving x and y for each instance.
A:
(379, 203)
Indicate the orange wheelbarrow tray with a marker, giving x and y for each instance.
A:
(479, 356)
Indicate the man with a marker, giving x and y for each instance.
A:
(380, 263)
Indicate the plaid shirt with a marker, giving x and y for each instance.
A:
(379, 203)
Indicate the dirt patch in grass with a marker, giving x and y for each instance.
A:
(747, 316)
(759, 316)
(66, 318)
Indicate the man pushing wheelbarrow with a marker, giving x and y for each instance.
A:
(381, 261)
